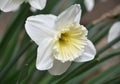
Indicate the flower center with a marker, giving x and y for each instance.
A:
(71, 42)
(64, 38)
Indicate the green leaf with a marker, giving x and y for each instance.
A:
(106, 75)
(13, 61)
(29, 66)
(95, 29)
(113, 80)
(18, 18)
(100, 35)
(11, 46)
(117, 39)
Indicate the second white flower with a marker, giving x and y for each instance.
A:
(12, 5)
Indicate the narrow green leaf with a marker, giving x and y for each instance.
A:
(29, 66)
(22, 76)
(9, 51)
(96, 29)
(46, 79)
(107, 46)
(39, 77)
(50, 5)
(100, 35)
(106, 75)
(61, 5)
(114, 80)
(13, 61)
(19, 18)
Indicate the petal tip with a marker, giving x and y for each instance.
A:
(89, 53)
(39, 67)
(77, 5)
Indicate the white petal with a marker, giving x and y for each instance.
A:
(59, 67)
(89, 4)
(44, 55)
(10, 5)
(114, 33)
(70, 15)
(40, 26)
(88, 54)
(38, 4)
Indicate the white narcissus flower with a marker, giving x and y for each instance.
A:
(12, 5)
(60, 39)
(89, 4)
(114, 33)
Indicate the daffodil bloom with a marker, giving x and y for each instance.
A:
(60, 39)
(12, 5)
(114, 33)
(89, 4)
